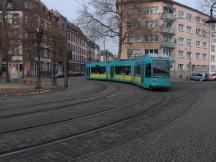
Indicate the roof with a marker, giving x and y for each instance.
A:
(18, 4)
(106, 53)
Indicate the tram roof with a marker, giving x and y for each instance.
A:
(130, 61)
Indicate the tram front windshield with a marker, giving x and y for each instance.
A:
(161, 68)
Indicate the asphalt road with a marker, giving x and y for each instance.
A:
(97, 121)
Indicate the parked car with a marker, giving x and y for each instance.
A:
(210, 77)
(199, 76)
(214, 76)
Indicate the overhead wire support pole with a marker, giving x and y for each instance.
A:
(65, 59)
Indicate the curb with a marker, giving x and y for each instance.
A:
(31, 92)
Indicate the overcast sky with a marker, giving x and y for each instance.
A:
(70, 9)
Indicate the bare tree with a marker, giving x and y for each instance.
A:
(205, 5)
(108, 18)
(5, 33)
(35, 31)
(102, 19)
(56, 39)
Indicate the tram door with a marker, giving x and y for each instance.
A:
(88, 71)
(142, 73)
(148, 73)
(112, 72)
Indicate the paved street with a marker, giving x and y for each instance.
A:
(98, 121)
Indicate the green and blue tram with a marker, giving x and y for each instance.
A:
(150, 71)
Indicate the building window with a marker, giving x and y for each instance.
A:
(15, 19)
(167, 51)
(212, 48)
(198, 32)
(180, 53)
(198, 55)
(180, 66)
(204, 44)
(181, 41)
(28, 5)
(204, 56)
(198, 19)
(189, 29)
(181, 27)
(144, 38)
(181, 14)
(151, 51)
(212, 58)
(189, 55)
(189, 42)
(204, 33)
(189, 17)
(145, 10)
(198, 44)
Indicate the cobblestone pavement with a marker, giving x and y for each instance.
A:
(95, 121)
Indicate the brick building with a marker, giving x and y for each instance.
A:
(26, 18)
(80, 49)
(31, 20)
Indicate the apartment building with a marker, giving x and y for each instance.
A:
(25, 17)
(80, 49)
(106, 55)
(168, 27)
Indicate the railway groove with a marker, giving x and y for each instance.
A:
(163, 102)
(101, 86)
(64, 106)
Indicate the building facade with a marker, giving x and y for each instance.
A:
(80, 49)
(39, 40)
(105, 56)
(26, 19)
(168, 27)
(212, 66)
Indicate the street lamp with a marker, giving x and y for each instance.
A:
(211, 20)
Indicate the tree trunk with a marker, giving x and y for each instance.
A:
(39, 69)
(1, 61)
(7, 67)
(53, 70)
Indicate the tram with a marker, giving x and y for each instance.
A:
(151, 71)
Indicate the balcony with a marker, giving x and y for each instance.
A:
(168, 30)
(165, 44)
(168, 17)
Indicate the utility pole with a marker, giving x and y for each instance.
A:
(106, 55)
(65, 59)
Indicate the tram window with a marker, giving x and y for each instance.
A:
(123, 70)
(138, 70)
(98, 70)
(148, 71)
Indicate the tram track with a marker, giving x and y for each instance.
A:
(165, 101)
(146, 134)
(65, 106)
(69, 137)
(140, 100)
(101, 88)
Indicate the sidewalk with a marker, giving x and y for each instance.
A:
(20, 88)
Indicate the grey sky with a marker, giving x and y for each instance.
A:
(70, 9)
